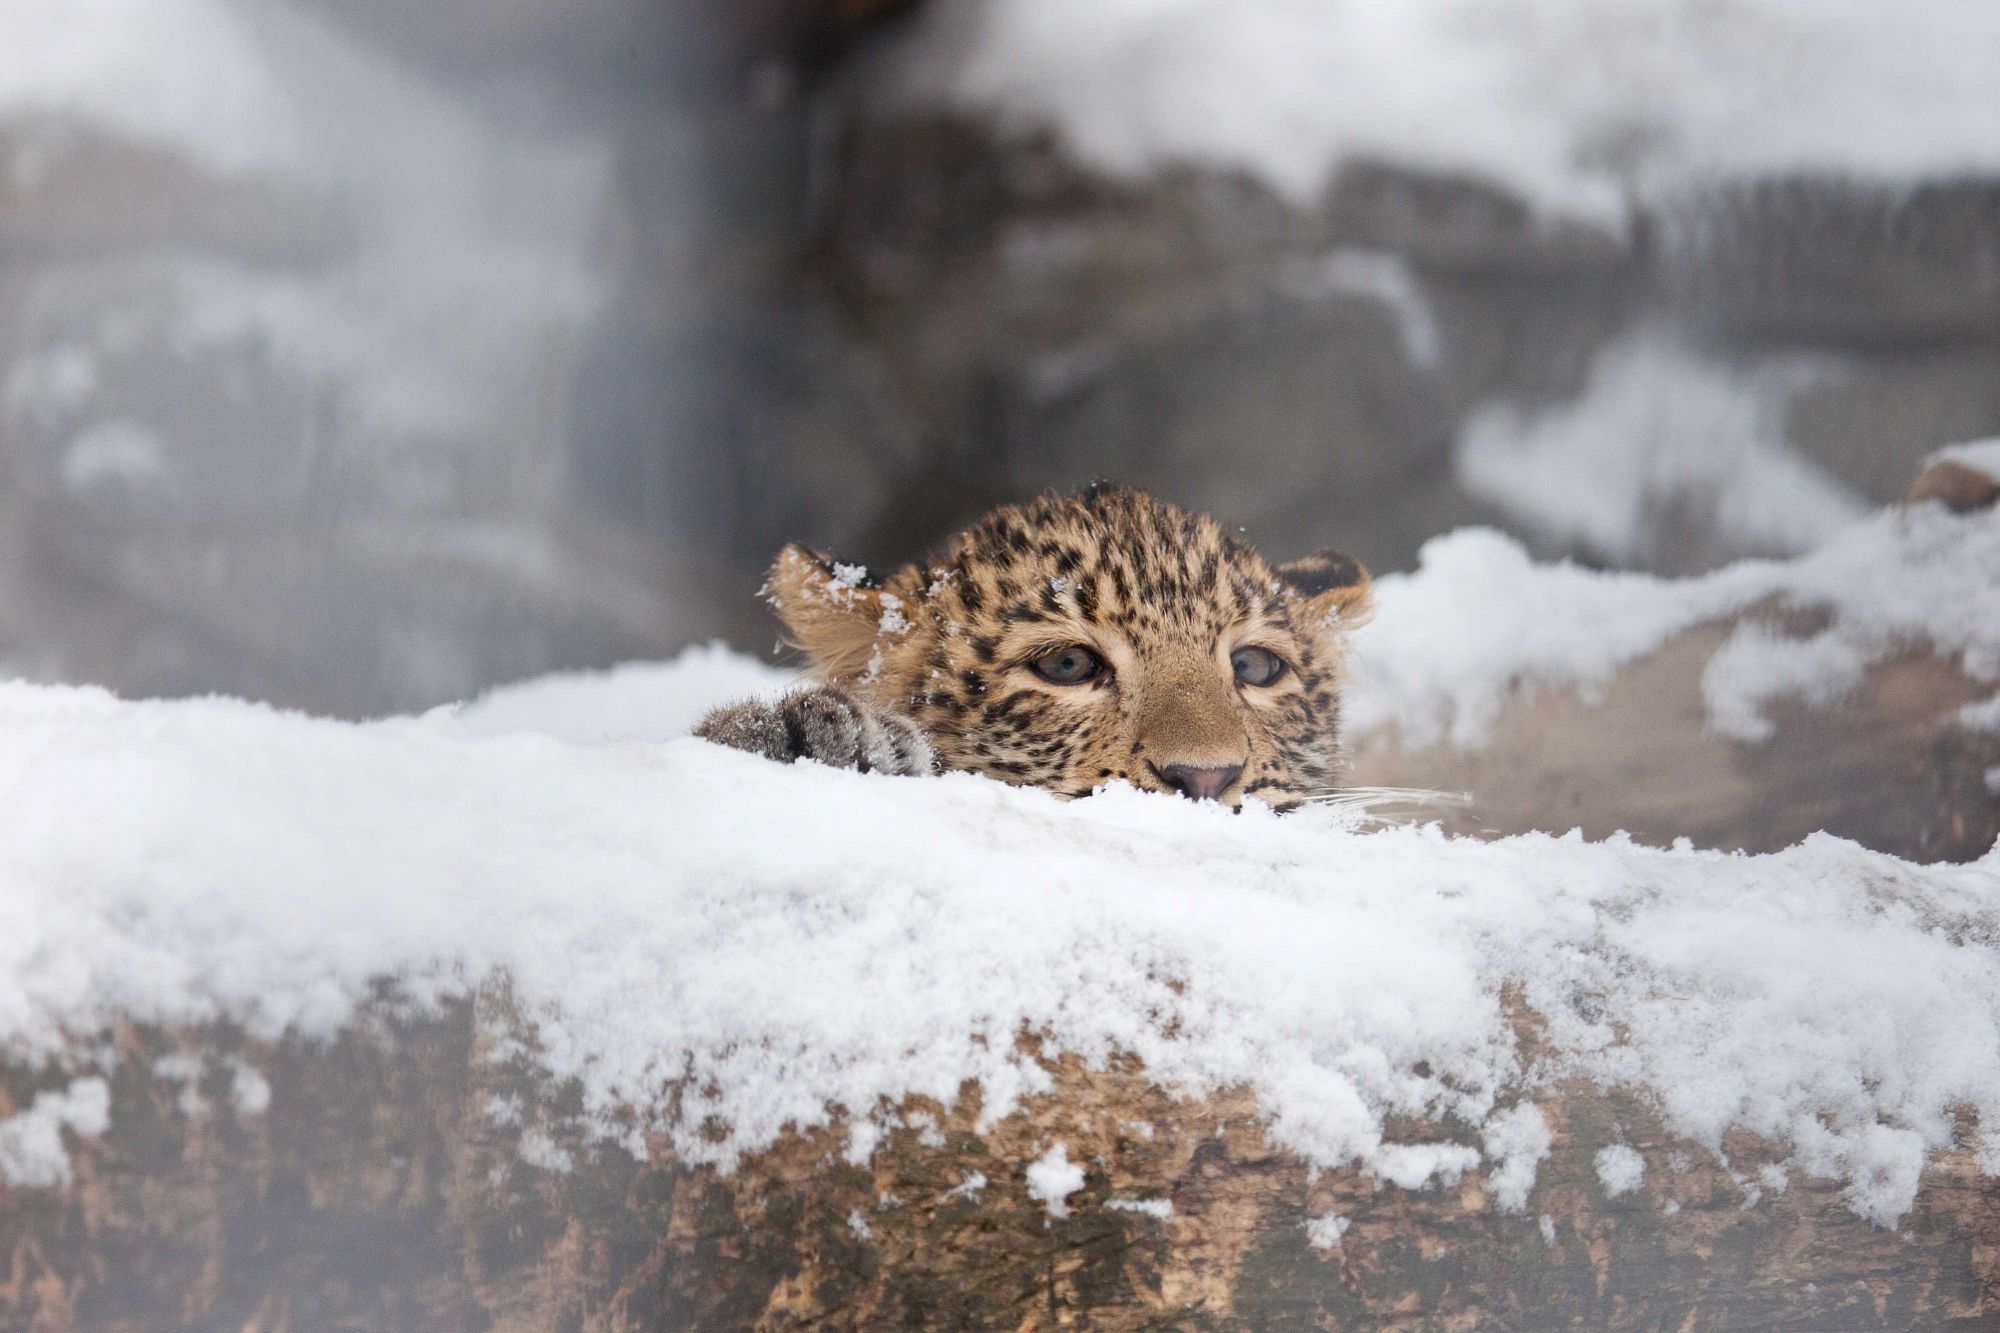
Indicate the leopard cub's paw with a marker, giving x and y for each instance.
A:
(826, 725)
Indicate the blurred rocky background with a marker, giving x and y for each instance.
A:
(360, 354)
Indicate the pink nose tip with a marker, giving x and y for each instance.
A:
(1200, 784)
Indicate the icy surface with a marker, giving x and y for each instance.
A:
(1576, 104)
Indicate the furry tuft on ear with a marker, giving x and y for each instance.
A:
(1335, 587)
(831, 611)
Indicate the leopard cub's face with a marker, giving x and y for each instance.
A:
(1076, 641)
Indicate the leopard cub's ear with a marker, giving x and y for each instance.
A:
(831, 611)
(1333, 589)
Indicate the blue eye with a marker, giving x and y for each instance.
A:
(1257, 666)
(1073, 665)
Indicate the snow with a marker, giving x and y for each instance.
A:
(639, 701)
(1324, 1232)
(185, 1069)
(543, 1153)
(899, 931)
(1660, 437)
(1478, 620)
(1979, 455)
(1517, 1140)
(31, 1147)
(1385, 278)
(113, 454)
(249, 1090)
(1052, 1178)
(1620, 1169)
(1758, 665)
(467, 265)
(1578, 105)
(1157, 1209)
(180, 73)
(784, 945)
(969, 1188)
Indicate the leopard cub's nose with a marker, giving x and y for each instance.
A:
(1200, 784)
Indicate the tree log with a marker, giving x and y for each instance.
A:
(384, 1187)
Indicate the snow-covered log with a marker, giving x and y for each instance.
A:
(535, 1014)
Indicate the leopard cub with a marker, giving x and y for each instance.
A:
(1067, 643)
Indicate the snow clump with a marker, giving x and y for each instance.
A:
(1620, 1169)
(31, 1148)
(1157, 1209)
(1052, 1178)
(1324, 1232)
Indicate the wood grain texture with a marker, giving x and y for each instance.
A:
(378, 1191)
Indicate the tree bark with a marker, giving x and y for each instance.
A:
(380, 1190)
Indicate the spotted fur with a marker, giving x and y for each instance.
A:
(944, 653)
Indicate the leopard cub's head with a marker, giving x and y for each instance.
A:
(1084, 639)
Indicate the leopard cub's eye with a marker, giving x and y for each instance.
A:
(1073, 665)
(1257, 666)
